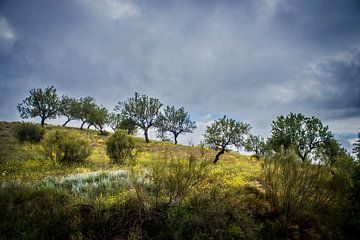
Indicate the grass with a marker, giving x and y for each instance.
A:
(26, 162)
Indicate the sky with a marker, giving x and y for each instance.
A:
(251, 60)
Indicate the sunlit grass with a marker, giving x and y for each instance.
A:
(27, 162)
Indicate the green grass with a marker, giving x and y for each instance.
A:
(26, 162)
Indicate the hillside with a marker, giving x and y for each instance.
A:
(166, 191)
(26, 162)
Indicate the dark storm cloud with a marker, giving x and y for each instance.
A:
(252, 60)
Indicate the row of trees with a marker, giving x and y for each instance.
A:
(136, 112)
(305, 135)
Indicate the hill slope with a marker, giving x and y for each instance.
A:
(26, 162)
(167, 192)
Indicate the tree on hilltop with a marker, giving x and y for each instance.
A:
(69, 108)
(304, 134)
(142, 110)
(175, 121)
(43, 103)
(86, 107)
(225, 132)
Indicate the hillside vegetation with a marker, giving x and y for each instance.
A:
(164, 191)
(68, 183)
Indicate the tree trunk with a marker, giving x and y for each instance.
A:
(90, 124)
(66, 122)
(175, 138)
(81, 127)
(146, 135)
(218, 155)
(43, 121)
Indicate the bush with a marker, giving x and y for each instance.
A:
(63, 147)
(304, 200)
(29, 132)
(119, 147)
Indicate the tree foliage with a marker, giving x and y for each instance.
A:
(255, 144)
(43, 103)
(69, 108)
(117, 121)
(305, 134)
(87, 106)
(142, 110)
(175, 121)
(98, 117)
(225, 132)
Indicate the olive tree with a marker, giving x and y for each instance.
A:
(69, 108)
(98, 118)
(87, 106)
(304, 134)
(142, 110)
(255, 144)
(117, 121)
(175, 121)
(225, 132)
(43, 103)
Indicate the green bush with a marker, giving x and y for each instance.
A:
(119, 147)
(29, 132)
(63, 147)
(303, 200)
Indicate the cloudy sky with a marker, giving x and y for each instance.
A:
(249, 59)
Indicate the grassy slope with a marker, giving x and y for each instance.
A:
(26, 162)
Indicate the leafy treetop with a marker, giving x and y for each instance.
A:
(304, 134)
(225, 132)
(175, 121)
(43, 103)
(142, 110)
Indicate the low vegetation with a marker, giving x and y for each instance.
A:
(29, 132)
(119, 147)
(65, 148)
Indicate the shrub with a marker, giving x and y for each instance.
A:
(29, 132)
(119, 147)
(303, 199)
(64, 147)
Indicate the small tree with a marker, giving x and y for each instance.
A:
(69, 108)
(175, 121)
(255, 144)
(87, 106)
(98, 118)
(116, 121)
(305, 134)
(225, 132)
(356, 149)
(41, 103)
(142, 110)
